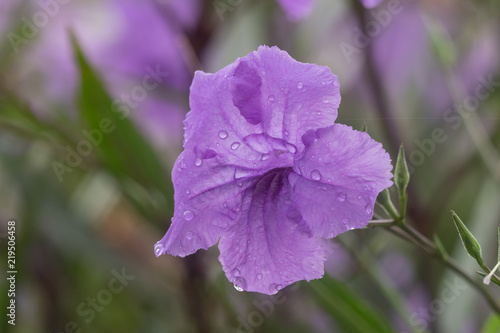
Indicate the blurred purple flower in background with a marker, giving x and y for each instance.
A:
(266, 170)
(369, 4)
(296, 9)
(124, 55)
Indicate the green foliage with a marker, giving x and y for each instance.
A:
(123, 150)
(351, 313)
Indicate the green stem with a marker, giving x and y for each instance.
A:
(413, 236)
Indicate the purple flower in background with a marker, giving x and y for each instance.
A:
(296, 9)
(266, 170)
(370, 4)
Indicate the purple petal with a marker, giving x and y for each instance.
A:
(245, 88)
(296, 9)
(270, 247)
(338, 178)
(232, 117)
(207, 200)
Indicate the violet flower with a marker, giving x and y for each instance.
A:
(266, 170)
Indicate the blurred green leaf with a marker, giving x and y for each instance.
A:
(469, 242)
(492, 325)
(352, 314)
(440, 247)
(122, 149)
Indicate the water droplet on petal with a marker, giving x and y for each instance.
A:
(325, 100)
(259, 276)
(265, 157)
(341, 197)
(198, 161)
(274, 288)
(235, 145)
(319, 113)
(335, 83)
(236, 272)
(182, 254)
(223, 134)
(300, 85)
(346, 222)
(359, 197)
(188, 215)
(271, 98)
(315, 175)
(188, 192)
(159, 249)
(323, 83)
(240, 284)
(291, 148)
(368, 209)
(189, 235)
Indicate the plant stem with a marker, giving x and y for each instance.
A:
(413, 236)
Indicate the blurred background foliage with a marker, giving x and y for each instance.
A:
(91, 199)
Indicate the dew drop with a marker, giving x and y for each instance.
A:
(236, 272)
(259, 276)
(291, 148)
(300, 85)
(315, 175)
(223, 134)
(368, 209)
(319, 113)
(189, 235)
(341, 197)
(235, 145)
(265, 157)
(335, 83)
(325, 100)
(274, 288)
(359, 197)
(346, 222)
(323, 83)
(198, 161)
(182, 254)
(188, 215)
(271, 98)
(240, 284)
(159, 249)
(188, 192)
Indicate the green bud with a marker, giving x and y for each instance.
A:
(470, 243)
(401, 173)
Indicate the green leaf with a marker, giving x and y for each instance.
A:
(122, 149)
(401, 173)
(352, 314)
(470, 243)
(492, 325)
